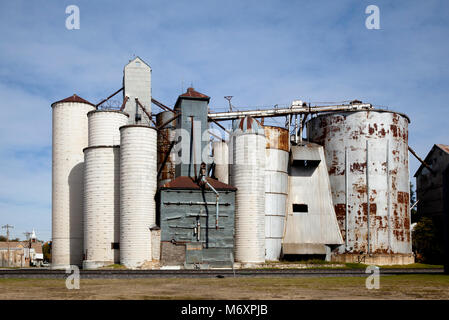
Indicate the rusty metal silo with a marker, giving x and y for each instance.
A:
(367, 158)
(276, 189)
(164, 137)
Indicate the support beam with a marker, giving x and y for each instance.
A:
(104, 100)
(419, 159)
(146, 112)
(161, 105)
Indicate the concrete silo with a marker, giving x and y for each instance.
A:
(367, 158)
(101, 206)
(276, 189)
(138, 184)
(221, 159)
(247, 149)
(70, 137)
(102, 188)
(165, 137)
(104, 127)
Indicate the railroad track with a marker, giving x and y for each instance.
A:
(221, 273)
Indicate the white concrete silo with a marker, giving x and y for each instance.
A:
(69, 138)
(276, 189)
(247, 159)
(101, 206)
(102, 188)
(104, 127)
(221, 160)
(138, 184)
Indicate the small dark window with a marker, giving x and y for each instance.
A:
(300, 207)
(115, 245)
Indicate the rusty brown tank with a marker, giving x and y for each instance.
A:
(367, 159)
(164, 137)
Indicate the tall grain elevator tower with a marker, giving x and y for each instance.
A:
(191, 147)
(137, 84)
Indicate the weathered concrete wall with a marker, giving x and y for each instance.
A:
(17, 258)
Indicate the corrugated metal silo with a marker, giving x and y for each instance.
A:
(164, 138)
(138, 184)
(247, 150)
(276, 189)
(221, 160)
(104, 127)
(101, 206)
(70, 137)
(367, 158)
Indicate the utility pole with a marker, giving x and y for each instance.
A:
(27, 235)
(7, 227)
(229, 101)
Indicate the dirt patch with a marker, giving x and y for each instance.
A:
(391, 287)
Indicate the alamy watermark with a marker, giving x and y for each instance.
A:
(373, 280)
(73, 280)
(373, 20)
(72, 22)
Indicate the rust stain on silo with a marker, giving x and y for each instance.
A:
(276, 138)
(350, 131)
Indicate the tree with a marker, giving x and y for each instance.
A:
(425, 242)
(2, 238)
(46, 250)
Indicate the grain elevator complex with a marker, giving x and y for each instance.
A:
(174, 188)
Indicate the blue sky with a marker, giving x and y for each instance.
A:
(261, 52)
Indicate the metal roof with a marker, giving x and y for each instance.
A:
(442, 147)
(248, 125)
(73, 98)
(189, 183)
(191, 93)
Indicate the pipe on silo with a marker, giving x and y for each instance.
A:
(138, 184)
(165, 153)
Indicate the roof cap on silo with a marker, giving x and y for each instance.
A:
(248, 125)
(192, 94)
(73, 98)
